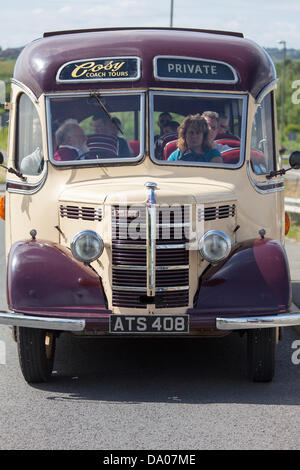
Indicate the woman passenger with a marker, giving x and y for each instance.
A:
(193, 142)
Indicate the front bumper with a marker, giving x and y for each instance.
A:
(62, 324)
(268, 321)
(292, 318)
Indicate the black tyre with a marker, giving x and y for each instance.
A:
(36, 349)
(261, 345)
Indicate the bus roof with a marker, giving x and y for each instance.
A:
(38, 64)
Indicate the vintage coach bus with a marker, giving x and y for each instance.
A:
(144, 194)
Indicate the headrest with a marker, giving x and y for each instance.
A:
(107, 145)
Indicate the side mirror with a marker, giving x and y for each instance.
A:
(1, 158)
(294, 160)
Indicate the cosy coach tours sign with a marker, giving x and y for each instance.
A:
(102, 69)
(193, 69)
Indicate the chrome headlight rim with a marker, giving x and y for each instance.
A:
(202, 245)
(74, 244)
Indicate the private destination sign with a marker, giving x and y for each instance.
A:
(192, 69)
(101, 69)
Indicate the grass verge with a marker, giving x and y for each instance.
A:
(3, 148)
(292, 189)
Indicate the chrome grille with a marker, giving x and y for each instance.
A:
(129, 257)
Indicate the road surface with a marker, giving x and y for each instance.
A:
(153, 394)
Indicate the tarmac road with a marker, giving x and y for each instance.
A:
(154, 394)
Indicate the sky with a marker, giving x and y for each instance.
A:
(264, 21)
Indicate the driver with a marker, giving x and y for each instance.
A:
(71, 141)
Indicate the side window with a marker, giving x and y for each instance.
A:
(262, 155)
(29, 156)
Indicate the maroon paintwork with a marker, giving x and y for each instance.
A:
(44, 278)
(38, 63)
(254, 280)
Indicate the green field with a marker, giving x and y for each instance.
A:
(292, 189)
(6, 69)
(6, 72)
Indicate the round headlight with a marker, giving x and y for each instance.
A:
(87, 246)
(214, 246)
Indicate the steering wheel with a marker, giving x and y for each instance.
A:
(89, 155)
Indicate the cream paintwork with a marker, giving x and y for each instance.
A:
(128, 190)
(104, 186)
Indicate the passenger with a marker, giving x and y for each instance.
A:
(104, 128)
(170, 127)
(163, 118)
(212, 119)
(194, 143)
(71, 141)
(33, 163)
(224, 131)
(224, 127)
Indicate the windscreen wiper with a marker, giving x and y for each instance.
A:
(103, 107)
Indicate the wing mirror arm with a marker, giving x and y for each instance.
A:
(11, 170)
(294, 162)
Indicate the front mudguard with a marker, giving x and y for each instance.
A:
(254, 279)
(43, 274)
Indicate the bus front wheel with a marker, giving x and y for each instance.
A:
(261, 349)
(36, 349)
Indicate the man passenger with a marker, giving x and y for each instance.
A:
(71, 141)
(212, 119)
(164, 118)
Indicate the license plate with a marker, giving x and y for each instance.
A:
(154, 324)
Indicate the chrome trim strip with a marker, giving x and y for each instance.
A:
(173, 288)
(21, 187)
(271, 86)
(143, 268)
(151, 237)
(141, 224)
(125, 224)
(265, 187)
(175, 224)
(158, 247)
(125, 247)
(44, 323)
(131, 288)
(267, 321)
(170, 247)
(157, 289)
(130, 267)
(172, 268)
(65, 94)
(25, 88)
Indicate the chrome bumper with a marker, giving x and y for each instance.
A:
(267, 321)
(63, 324)
(235, 323)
